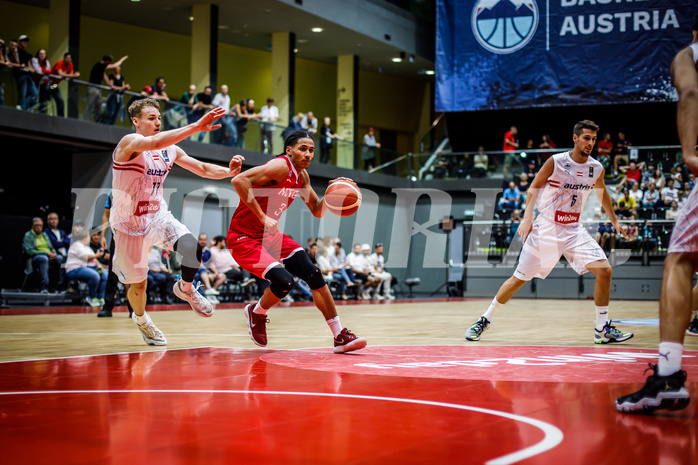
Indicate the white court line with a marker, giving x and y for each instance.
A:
(552, 435)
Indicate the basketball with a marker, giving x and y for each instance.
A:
(343, 198)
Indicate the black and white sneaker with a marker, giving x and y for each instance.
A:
(610, 334)
(692, 329)
(475, 331)
(659, 392)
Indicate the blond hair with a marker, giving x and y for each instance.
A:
(137, 107)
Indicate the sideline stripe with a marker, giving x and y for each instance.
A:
(552, 435)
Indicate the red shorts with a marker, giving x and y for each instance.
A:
(259, 255)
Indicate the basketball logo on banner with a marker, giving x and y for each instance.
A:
(504, 26)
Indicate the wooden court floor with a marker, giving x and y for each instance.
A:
(75, 389)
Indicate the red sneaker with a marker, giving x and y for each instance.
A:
(346, 341)
(256, 326)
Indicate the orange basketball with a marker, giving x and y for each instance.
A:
(343, 198)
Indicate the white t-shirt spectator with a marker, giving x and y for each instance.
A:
(222, 101)
(222, 259)
(77, 256)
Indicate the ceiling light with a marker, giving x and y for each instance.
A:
(317, 29)
(397, 60)
(302, 41)
(191, 18)
(295, 50)
(429, 72)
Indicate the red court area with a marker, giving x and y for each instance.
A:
(387, 405)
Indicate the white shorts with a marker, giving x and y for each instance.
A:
(684, 236)
(548, 242)
(130, 262)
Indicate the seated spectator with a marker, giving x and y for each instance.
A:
(513, 227)
(669, 193)
(646, 177)
(96, 245)
(605, 149)
(633, 173)
(203, 276)
(676, 173)
(361, 269)
(648, 237)
(82, 265)
(636, 193)
(651, 197)
(511, 198)
(338, 260)
(330, 272)
(523, 183)
(691, 181)
(658, 180)
(480, 163)
(628, 200)
(115, 101)
(630, 240)
(622, 212)
(531, 169)
(604, 233)
(621, 152)
(442, 166)
(160, 278)
(222, 261)
(673, 212)
(681, 199)
(310, 123)
(41, 255)
(377, 262)
(59, 239)
(465, 166)
(64, 69)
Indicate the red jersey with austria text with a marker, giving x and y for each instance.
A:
(274, 200)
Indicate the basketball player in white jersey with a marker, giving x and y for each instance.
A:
(563, 184)
(139, 215)
(665, 389)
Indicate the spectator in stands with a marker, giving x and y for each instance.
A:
(295, 124)
(531, 169)
(98, 73)
(327, 137)
(82, 265)
(209, 279)
(115, 101)
(377, 261)
(511, 198)
(681, 199)
(523, 183)
(691, 181)
(176, 117)
(651, 197)
(630, 240)
(512, 228)
(41, 255)
(3, 63)
(158, 89)
(646, 177)
(633, 172)
(338, 260)
(269, 114)
(330, 272)
(676, 173)
(673, 212)
(204, 103)
(622, 212)
(310, 123)
(228, 133)
(510, 145)
(358, 262)
(96, 245)
(59, 239)
(23, 73)
(658, 179)
(605, 150)
(547, 142)
(64, 69)
(245, 113)
(480, 163)
(628, 200)
(636, 193)
(604, 233)
(464, 166)
(368, 151)
(648, 237)
(160, 278)
(669, 193)
(222, 261)
(42, 69)
(441, 166)
(621, 152)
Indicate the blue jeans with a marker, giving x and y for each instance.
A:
(229, 126)
(96, 281)
(27, 92)
(42, 263)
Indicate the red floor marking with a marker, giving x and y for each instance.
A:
(568, 364)
(231, 406)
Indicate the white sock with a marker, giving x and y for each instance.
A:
(143, 319)
(601, 317)
(494, 306)
(335, 325)
(258, 309)
(670, 354)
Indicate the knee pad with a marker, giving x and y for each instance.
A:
(281, 281)
(300, 265)
(190, 250)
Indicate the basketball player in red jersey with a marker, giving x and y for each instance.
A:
(259, 247)
(139, 216)
(561, 189)
(665, 389)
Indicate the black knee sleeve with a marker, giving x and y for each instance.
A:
(300, 265)
(190, 250)
(281, 281)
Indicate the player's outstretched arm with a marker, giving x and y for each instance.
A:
(685, 77)
(209, 170)
(133, 144)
